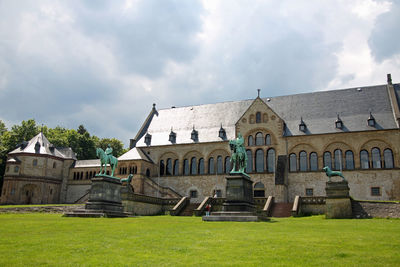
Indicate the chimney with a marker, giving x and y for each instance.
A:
(132, 143)
(389, 78)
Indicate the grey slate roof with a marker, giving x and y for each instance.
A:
(87, 163)
(318, 109)
(45, 148)
(135, 154)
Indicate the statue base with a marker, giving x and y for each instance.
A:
(104, 199)
(338, 204)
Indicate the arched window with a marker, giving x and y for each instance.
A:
(328, 159)
(220, 166)
(313, 161)
(161, 168)
(250, 140)
(176, 167)
(193, 166)
(227, 164)
(267, 140)
(376, 158)
(259, 160)
(303, 161)
(201, 166)
(169, 167)
(54, 165)
(364, 159)
(292, 162)
(249, 167)
(211, 168)
(147, 173)
(388, 158)
(349, 160)
(185, 167)
(258, 117)
(271, 160)
(259, 139)
(338, 159)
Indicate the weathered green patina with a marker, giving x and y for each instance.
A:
(128, 179)
(331, 173)
(106, 157)
(239, 156)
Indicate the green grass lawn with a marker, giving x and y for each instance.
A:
(49, 239)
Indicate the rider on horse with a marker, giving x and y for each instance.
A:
(108, 152)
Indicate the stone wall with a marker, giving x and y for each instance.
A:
(368, 209)
(76, 191)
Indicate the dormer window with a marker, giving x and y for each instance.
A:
(371, 120)
(172, 137)
(37, 147)
(147, 139)
(338, 123)
(51, 147)
(302, 125)
(194, 135)
(222, 133)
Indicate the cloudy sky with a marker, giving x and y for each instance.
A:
(104, 63)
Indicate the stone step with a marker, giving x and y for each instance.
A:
(224, 218)
(232, 213)
(282, 210)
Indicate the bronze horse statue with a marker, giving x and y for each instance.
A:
(106, 159)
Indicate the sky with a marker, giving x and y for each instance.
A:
(104, 63)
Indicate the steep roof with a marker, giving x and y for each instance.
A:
(87, 163)
(135, 154)
(319, 111)
(40, 145)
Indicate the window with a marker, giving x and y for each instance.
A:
(16, 169)
(338, 159)
(185, 167)
(201, 166)
(313, 161)
(376, 158)
(193, 166)
(162, 167)
(258, 117)
(250, 140)
(375, 191)
(169, 167)
(211, 169)
(349, 160)
(267, 140)
(259, 160)
(193, 193)
(259, 190)
(176, 167)
(364, 159)
(249, 167)
(303, 161)
(259, 139)
(220, 167)
(217, 193)
(388, 158)
(271, 160)
(87, 175)
(227, 164)
(328, 159)
(147, 173)
(292, 162)
(34, 162)
(54, 165)
(309, 192)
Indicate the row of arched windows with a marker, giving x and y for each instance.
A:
(341, 161)
(259, 140)
(261, 163)
(85, 175)
(124, 170)
(193, 166)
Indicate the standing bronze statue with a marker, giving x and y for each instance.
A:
(239, 156)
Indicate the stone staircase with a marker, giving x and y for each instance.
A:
(282, 210)
(189, 209)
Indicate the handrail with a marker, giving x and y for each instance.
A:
(268, 205)
(180, 206)
(200, 209)
(296, 206)
(82, 197)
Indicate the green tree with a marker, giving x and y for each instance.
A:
(116, 145)
(24, 132)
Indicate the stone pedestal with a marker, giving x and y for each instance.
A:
(104, 199)
(338, 203)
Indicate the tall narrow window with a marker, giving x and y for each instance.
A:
(162, 167)
(376, 158)
(201, 166)
(249, 167)
(259, 160)
(193, 166)
(364, 159)
(259, 139)
(388, 157)
(303, 161)
(34, 163)
(250, 140)
(338, 159)
(328, 159)
(258, 117)
(271, 160)
(220, 166)
(349, 160)
(227, 164)
(169, 167)
(267, 140)
(211, 168)
(176, 167)
(186, 167)
(292, 162)
(313, 161)
(147, 173)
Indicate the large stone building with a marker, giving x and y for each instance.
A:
(184, 151)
